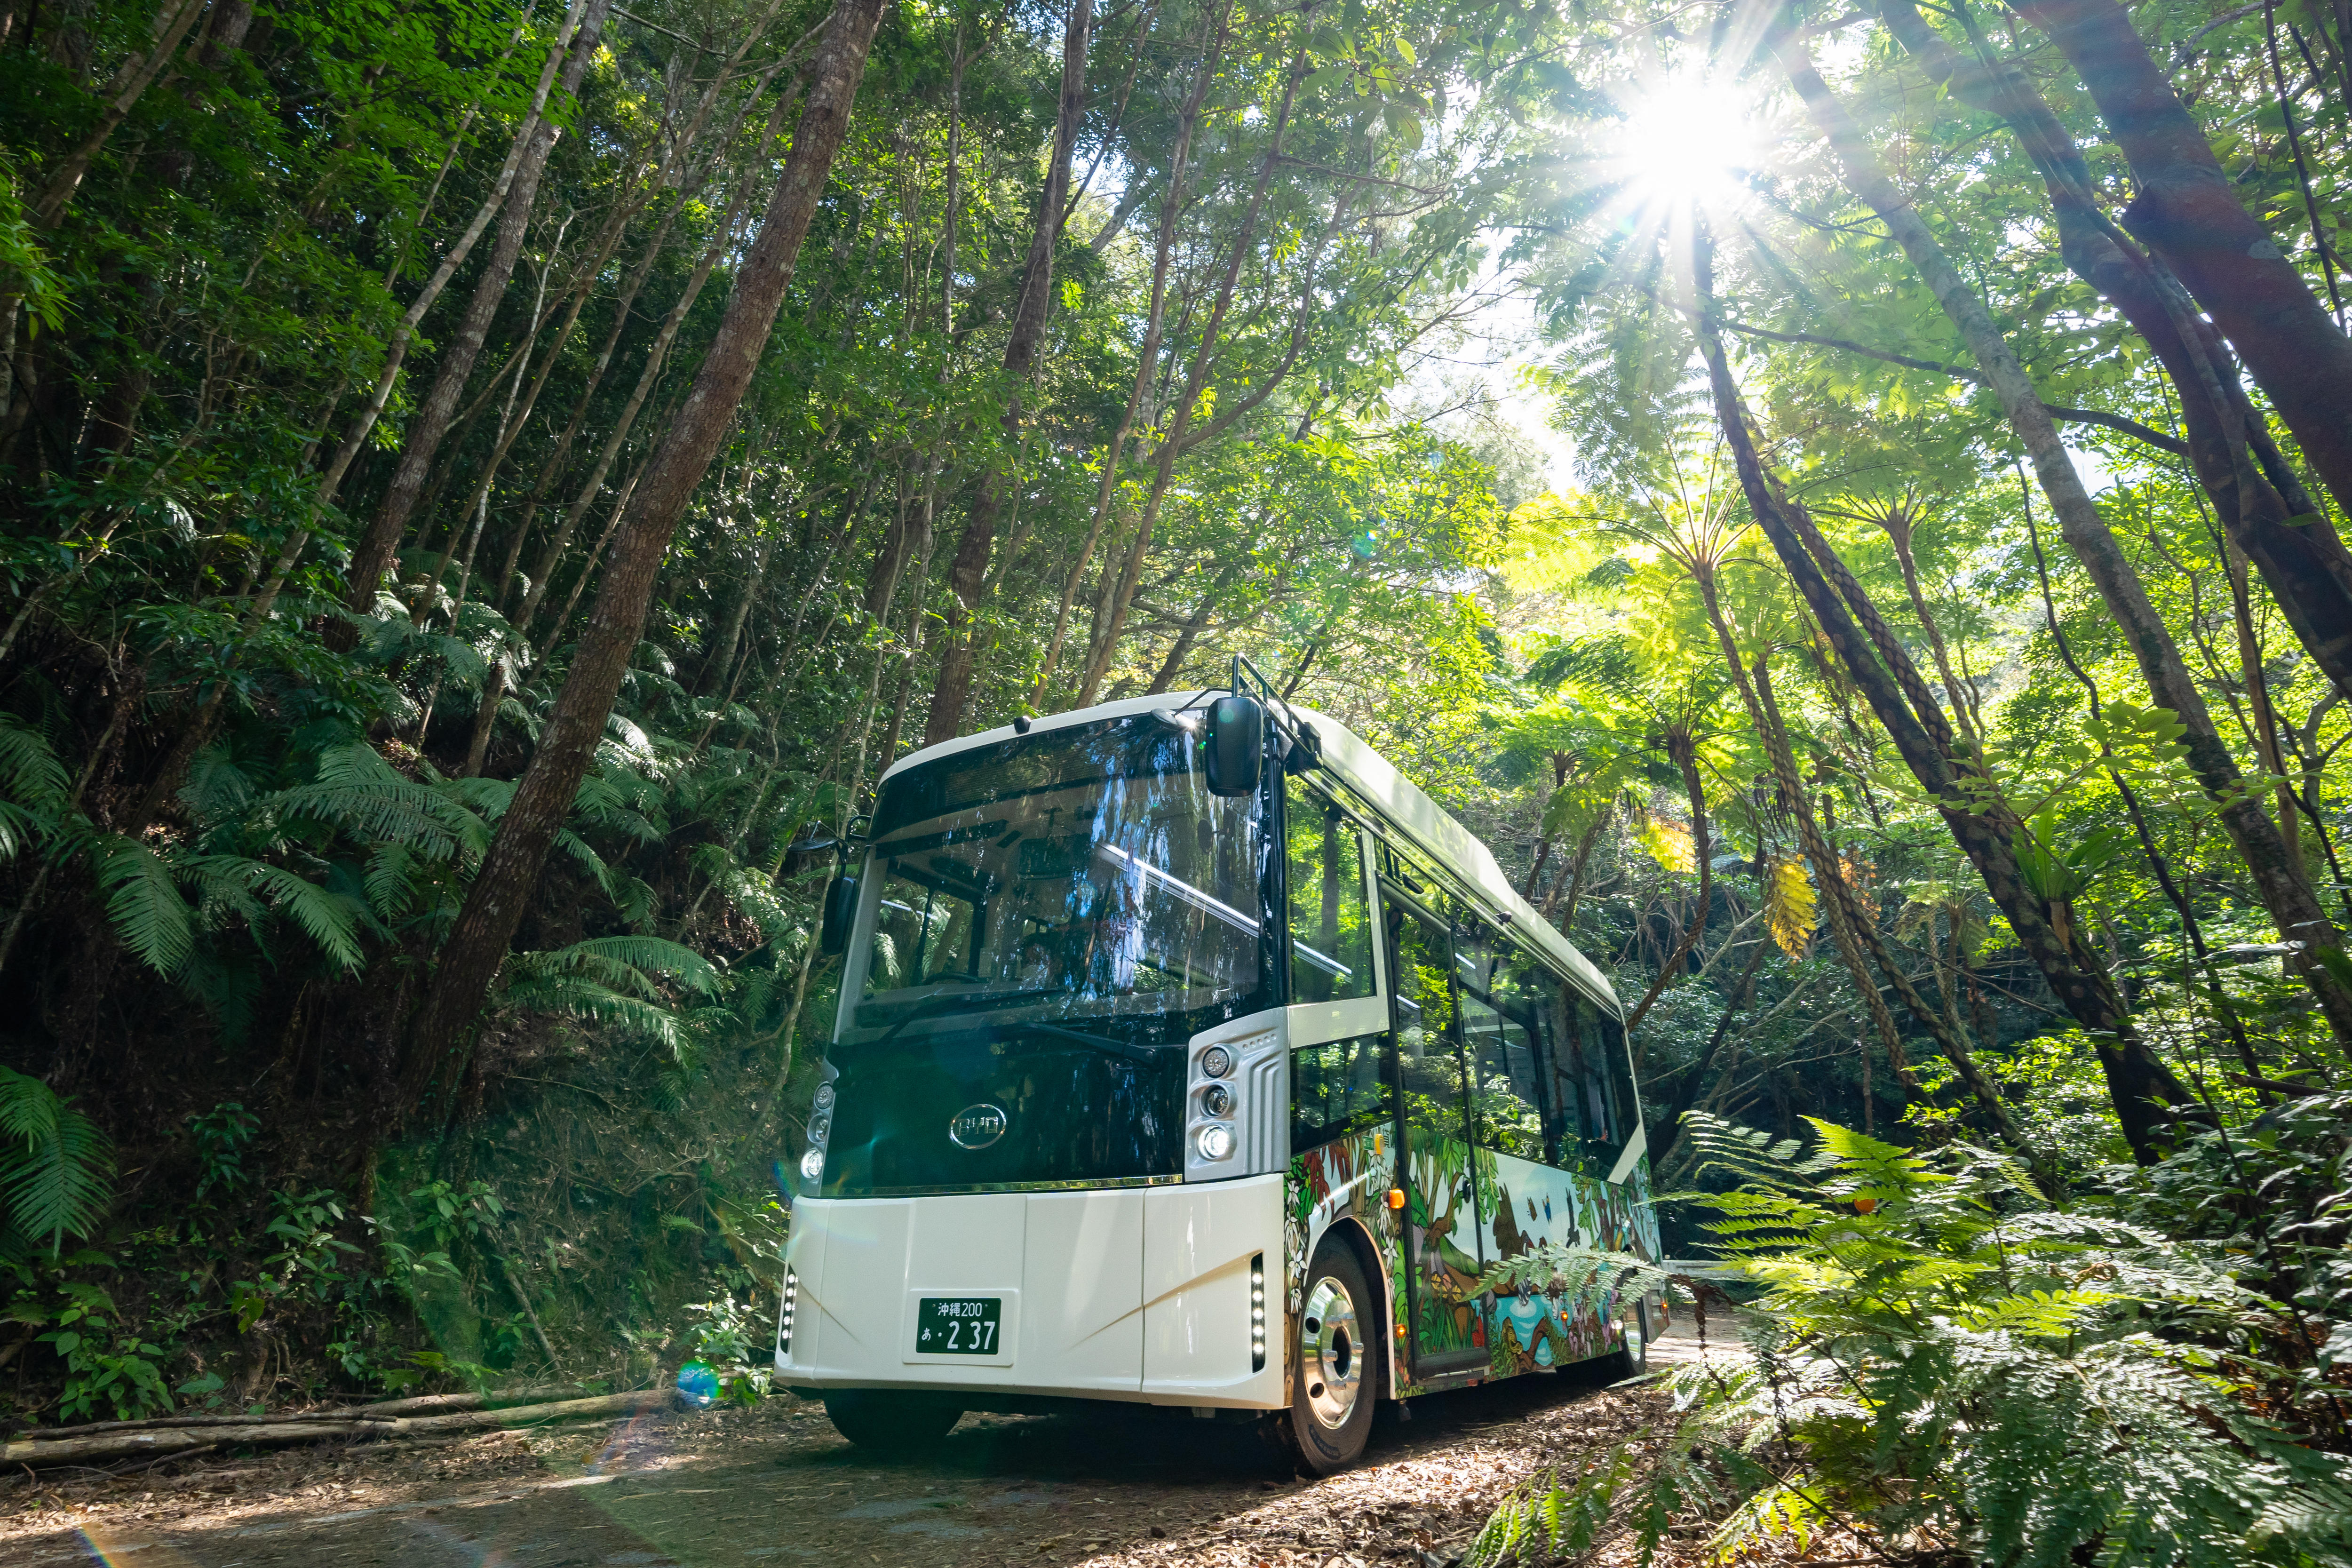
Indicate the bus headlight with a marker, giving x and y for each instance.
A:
(1215, 1141)
(1217, 1100)
(1216, 1062)
(813, 1164)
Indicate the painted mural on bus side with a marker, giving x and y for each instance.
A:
(1467, 1211)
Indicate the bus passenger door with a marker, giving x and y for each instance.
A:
(1442, 1241)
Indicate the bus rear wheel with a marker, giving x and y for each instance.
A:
(888, 1421)
(1334, 1379)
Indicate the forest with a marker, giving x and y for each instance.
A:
(1846, 501)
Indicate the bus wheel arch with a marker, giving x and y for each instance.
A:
(1334, 1382)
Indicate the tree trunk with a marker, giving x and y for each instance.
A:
(2188, 211)
(951, 693)
(510, 874)
(422, 440)
(1682, 750)
(2292, 904)
(2262, 506)
(1122, 594)
(2147, 1095)
(1147, 356)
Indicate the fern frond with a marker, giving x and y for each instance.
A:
(30, 768)
(579, 998)
(357, 791)
(217, 789)
(144, 903)
(690, 968)
(327, 921)
(56, 1168)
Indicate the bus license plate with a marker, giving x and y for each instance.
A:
(957, 1325)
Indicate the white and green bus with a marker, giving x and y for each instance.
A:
(1188, 1055)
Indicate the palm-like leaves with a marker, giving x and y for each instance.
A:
(144, 903)
(1937, 1355)
(33, 786)
(357, 791)
(611, 979)
(56, 1168)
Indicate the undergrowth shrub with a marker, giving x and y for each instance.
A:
(1942, 1364)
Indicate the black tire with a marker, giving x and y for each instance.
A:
(1335, 1367)
(891, 1422)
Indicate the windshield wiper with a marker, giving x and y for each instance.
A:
(1103, 1043)
(951, 999)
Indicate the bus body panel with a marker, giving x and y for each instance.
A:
(1130, 1293)
(1199, 1242)
(1533, 1204)
(1346, 1182)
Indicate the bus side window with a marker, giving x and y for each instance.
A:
(1429, 1069)
(1335, 1089)
(1330, 937)
(1619, 1067)
(1504, 1091)
(1588, 1099)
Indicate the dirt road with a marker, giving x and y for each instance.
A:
(778, 1486)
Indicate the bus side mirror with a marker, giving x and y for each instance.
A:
(840, 908)
(813, 843)
(1235, 745)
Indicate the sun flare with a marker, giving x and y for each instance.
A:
(1688, 141)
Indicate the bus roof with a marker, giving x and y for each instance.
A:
(1401, 804)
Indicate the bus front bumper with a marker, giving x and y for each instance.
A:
(1141, 1294)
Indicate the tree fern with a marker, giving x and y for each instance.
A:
(1939, 1363)
(648, 955)
(217, 789)
(56, 1168)
(357, 791)
(330, 921)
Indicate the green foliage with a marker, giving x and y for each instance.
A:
(107, 1364)
(56, 1168)
(223, 1138)
(614, 981)
(1937, 1357)
(32, 786)
(729, 1335)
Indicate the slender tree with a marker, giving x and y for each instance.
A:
(477, 945)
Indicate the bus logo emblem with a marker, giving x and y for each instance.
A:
(978, 1126)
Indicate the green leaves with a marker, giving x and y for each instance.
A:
(33, 786)
(613, 980)
(57, 1169)
(144, 903)
(2058, 873)
(1937, 1354)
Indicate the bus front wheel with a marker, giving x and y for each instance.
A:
(1334, 1381)
(888, 1421)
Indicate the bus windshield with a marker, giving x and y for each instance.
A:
(1082, 872)
(1047, 919)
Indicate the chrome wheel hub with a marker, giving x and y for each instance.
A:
(1331, 1353)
